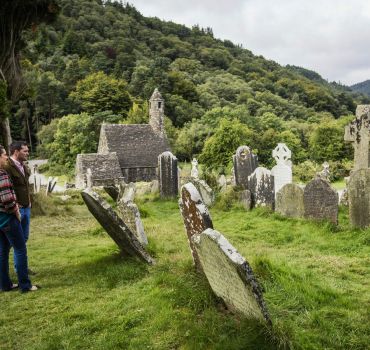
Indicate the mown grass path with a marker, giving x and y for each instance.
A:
(316, 281)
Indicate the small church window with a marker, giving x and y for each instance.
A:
(159, 104)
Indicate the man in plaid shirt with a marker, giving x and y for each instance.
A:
(11, 234)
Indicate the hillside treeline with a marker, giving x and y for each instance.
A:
(100, 62)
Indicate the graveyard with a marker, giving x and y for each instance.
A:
(314, 278)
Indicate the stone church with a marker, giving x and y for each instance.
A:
(137, 147)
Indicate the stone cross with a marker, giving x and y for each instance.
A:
(358, 132)
(282, 154)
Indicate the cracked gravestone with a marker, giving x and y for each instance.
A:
(289, 201)
(168, 175)
(205, 191)
(262, 187)
(358, 132)
(245, 162)
(320, 201)
(230, 275)
(115, 227)
(359, 198)
(195, 215)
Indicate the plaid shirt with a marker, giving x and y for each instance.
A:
(8, 200)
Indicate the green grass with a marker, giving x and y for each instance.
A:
(315, 278)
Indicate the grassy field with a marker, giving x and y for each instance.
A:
(315, 277)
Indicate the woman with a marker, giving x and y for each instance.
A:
(11, 235)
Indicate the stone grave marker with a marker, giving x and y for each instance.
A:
(195, 215)
(168, 176)
(246, 199)
(205, 191)
(289, 201)
(358, 132)
(325, 172)
(282, 171)
(320, 201)
(230, 275)
(261, 184)
(245, 162)
(222, 183)
(115, 227)
(194, 169)
(359, 198)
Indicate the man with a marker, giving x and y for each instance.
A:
(19, 174)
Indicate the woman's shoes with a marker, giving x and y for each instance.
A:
(32, 289)
(14, 286)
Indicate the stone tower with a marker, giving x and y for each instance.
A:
(156, 113)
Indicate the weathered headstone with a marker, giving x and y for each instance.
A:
(245, 162)
(131, 216)
(358, 132)
(89, 182)
(115, 227)
(205, 191)
(195, 215)
(289, 201)
(282, 171)
(230, 275)
(320, 201)
(155, 186)
(222, 183)
(344, 200)
(261, 184)
(168, 177)
(359, 198)
(194, 169)
(246, 199)
(113, 191)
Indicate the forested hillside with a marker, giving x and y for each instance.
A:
(363, 87)
(101, 60)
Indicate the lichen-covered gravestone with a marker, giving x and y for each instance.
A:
(245, 162)
(115, 227)
(282, 171)
(245, 197)
(358, 132)
(195, 215)
(230, 275)
(320, 201)
(262, 186)
(289, 201)
(168, 176)
(359, 198)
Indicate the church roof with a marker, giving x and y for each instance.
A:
(136, 145)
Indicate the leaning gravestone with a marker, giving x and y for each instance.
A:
(168, 176)
(359, 198)
(358, 132)
(205, 191)
(230, 275)
(245, 197)
(261, 185)
(289, 201)
(245, 162)
(195, 215)
(115, 227)
(320, 201)
(282, 171)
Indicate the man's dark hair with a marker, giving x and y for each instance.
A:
(16, 146)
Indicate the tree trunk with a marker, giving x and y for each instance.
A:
(5, 133)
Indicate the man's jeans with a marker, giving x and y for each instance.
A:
(12, 236)
(25, 221)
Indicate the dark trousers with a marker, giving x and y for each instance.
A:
(12, 236)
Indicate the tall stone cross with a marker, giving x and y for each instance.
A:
(358, 132)
(282, 154)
